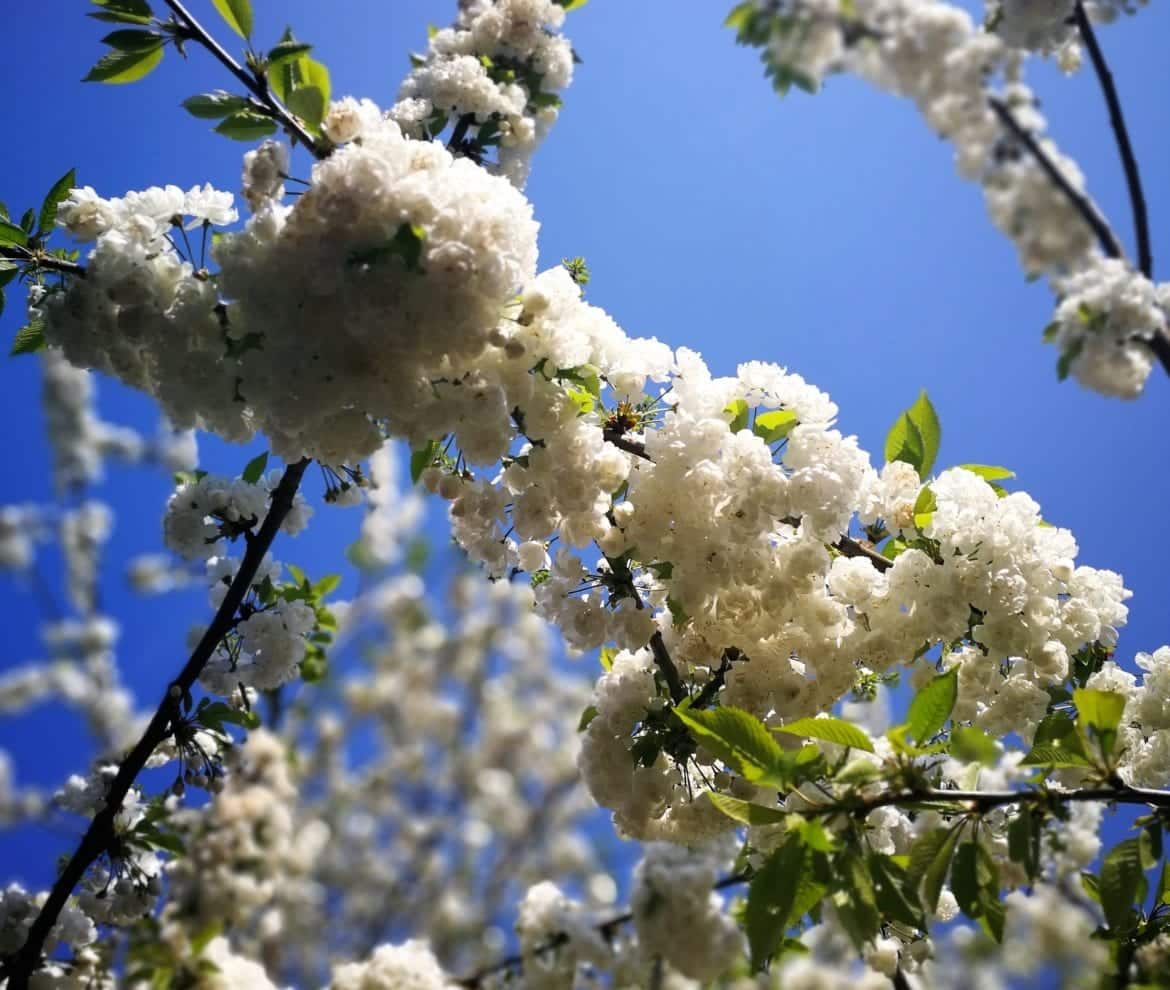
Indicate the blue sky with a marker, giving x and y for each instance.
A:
(830, 234)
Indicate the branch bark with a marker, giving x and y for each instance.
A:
(1133, 179)
(100, 833)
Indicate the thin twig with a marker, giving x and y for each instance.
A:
(1084, 206)
(607, 929)
(257, 87)
(665, 663)
(1133, 179)
(101, 831)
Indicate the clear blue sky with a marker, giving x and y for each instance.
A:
(830, 234)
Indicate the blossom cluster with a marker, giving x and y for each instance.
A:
(495, 73)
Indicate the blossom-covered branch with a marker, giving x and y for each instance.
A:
(96, 841)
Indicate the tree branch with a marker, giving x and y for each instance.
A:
(42, 260)
(256, 86)
(1083, 204)
(101, 831)
(663, 661)
(1133, 179)
(981, 800)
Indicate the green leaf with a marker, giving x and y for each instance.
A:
(606, 657)
(989, 472)
(214, 106)
(29, 339)
(309, 96)
(924, 852)
(238, 14)
(587, 716)
(924, 507)
(772, 897)
(570, 4)
(1119, 880)
(214, 715)
(745, 811)
(254, 470)
(28, 220)
(904, 443)
(740, 15)
(1057, 743)
(1162, 893)
(123, 11)
(775, 425)
(889, 885)
(422, 459)
(326, 585)
(285, 51)
(133, 40)
(738, 410)
(973, 745)
(406, 244)
(925, 419)
(53, 200)
(125, 67)
(834, 730)
(1099, 715)
(932, 706)
(936, 872)
(741, 741)
(10, 233)
(246, 126)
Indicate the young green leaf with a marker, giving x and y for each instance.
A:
(834, 730)
(745, 811)
(989, 472)
(123, 11)
(1099, 715)
(422, 459)
(125, 67)
(133, 40)
(740, 740)
(904, 443)
(214, 106)
(246, 126)
(1118, 882)
(772, 897)
(1057, 743)
(29, 339)
(936, 871)
(10, 233)
(932, 706)
(53, 200)
(238, 14)
(925, 420)
(309, 95)
(254, 470)
(285, 51)
(738, 410)
(775, 425)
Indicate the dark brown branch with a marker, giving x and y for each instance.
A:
(41, 260)
(849, 547)
(1133, 179)
(622, 442)
(269, 104)
(100, 834)
(983, 801)
(1083, 205)
(665, 664)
